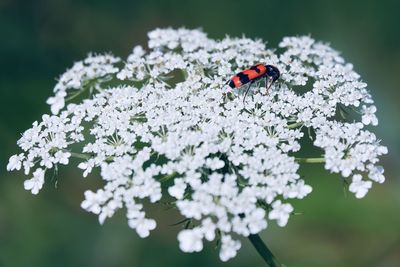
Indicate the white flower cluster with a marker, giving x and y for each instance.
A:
(90, 72)
(166, 119)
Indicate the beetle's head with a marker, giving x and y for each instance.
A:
(272, 72)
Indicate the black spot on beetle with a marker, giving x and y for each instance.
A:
(256, 69)
(244, 78)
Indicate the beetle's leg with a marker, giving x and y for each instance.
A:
(247, 91)
(268, 83)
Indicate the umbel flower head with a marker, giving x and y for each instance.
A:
(164, 124)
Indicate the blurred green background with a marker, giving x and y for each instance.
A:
(40, 39)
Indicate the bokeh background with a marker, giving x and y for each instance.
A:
(40, 39)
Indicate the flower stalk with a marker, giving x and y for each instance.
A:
(264, 251)
(310, 160)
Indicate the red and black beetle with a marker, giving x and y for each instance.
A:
(254, 73)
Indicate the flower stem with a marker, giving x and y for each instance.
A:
(167, 177)
(75, 95)
(79, 155)
(264, 251)
(310, 160)
(73, 154)
(295, 125)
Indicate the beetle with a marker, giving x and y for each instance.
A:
(253, 74)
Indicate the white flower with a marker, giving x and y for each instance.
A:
(190, 240)
(108, 210)
(92, 68)
(208, 228)
(229, 248)
(359, 187)
(376, 173)
(36, 182)
(93, 201)
(57, 102)
(369, 116)
(87, 166)
(298, 190)
(62, 157)
(14, 162)
(143, 226)
(348, 147)
(280, 212)
(256, 221)
(136, 218)
(178, 189)
(214, 163)
(180, 127)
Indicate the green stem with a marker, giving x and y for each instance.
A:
(310, 160)
(264, 251)
(75, 95)
(79, 155)
(73, 154)
(295, 125)
(85, 156)
(167, 177)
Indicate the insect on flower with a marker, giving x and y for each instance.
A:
(253, 74)
(229, 171)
